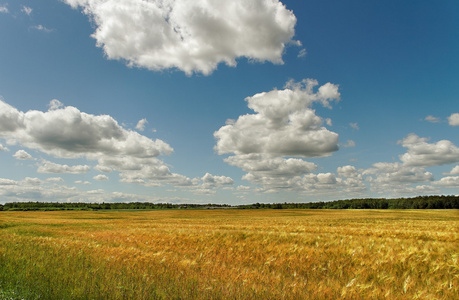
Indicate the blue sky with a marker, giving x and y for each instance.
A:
(241, 102)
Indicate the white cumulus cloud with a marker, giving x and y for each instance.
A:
(421, 153)
(283, 124)
(347, 171)
(4, 181)
(409, 176)
(31, 181)
(190, 35)
(103, 169)
(208, 184)
(269, 145)
(315, 183)
(453, 120)
(393, 173)
(210, 180)
(22, 155)
(67, 132)
(448, 182)
(101, 177)
(270, 172)
(454, 171)
(351, 180)
(396, 178)
(50, 167)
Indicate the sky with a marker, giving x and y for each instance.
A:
(228, 102)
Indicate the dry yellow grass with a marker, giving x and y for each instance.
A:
(230, 254)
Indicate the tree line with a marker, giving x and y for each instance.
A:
(24, 206)
(420, 202)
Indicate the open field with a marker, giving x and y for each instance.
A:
(230, 254)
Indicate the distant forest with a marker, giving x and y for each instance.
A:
(421, 202)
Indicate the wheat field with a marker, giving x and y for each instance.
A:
(230, 254)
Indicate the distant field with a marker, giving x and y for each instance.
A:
(230, 254)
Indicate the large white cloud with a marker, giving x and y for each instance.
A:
(10, 119)
(421, 153)
(351, 180)
(448, 182)
(209, 180)
(347, 181)
(398, 178)
(270, 172)
(67, 132)
(269, 145)
(397, 173)
(154, 172)
(274, 167)
(190, 35)
(101, 177)
(410, 177)
(207, 184)
(149, 171)
(283, 124)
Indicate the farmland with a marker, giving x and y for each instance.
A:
(229, 254)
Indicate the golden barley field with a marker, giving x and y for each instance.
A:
(230, 254)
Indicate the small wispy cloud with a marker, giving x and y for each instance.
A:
(432, 119)
(4, 9)
(55, 104)
(302, 53)
(27, 10)
(141, 124)
(42, 28)
(82, 182)
(354, 126)
(55, 179)
(349, 144)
